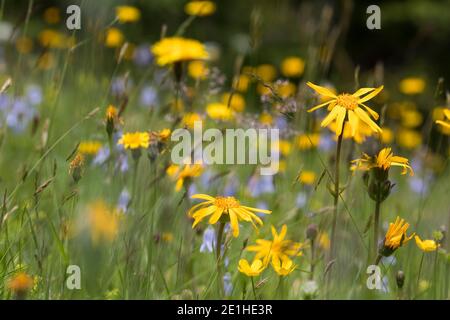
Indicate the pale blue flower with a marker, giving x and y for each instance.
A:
(209, 240)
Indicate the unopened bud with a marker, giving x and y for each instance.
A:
(311, 232)
(400, 278)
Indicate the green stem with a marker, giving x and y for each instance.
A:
(376, 223)
(311, 275)
(420, 268)
(336, 197)
(378, 259)
(218, 255)
(253, 288)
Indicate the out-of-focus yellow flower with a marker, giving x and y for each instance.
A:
(283, 146)
(426, 245)
(408, 139)
(135, 140)
(114, 38)
(324, 241)
(286, 89)
(184, 174)
(190, 118)
(266, 72)
(396, 236)
(46, 61)
(164, 134)
(346, 108)
(387, 136)
(384, 160)
(103, 222)
(21, 284)
(24, 44)
(412, 85)
(55, 39)
(127, 14)
(277, 249)
(252, 270)
(266, 118)
(304, 142)
(284, 266)
(237, 102)
(242, 83)
(197, 70)
(89, 147)
(52, 15)
(167, 237)
(307, 177)
(200, 8)
(411, 118)
(263, 89)
(219, 111)
(445, 124)
(219, 206)
(292, 67)
(176, 49)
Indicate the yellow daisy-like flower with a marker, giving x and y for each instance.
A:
(307, 141)
(114, 38)
(127, 14)
(412, 85)
(360, 135)
(426, 245)
(384, 160)
(276, 250)
(198, 70)
(200, 8)
(103, 222)
(284, 266)
(396, 236)
(307, 177)
(135, 140)
(176, 49)
(446, 123)
(345, 107)
(237, 102)
(181, 175)
(89, 147)
(217, 207)
(219, 111)
(190, 118)
(292, 67)
(251, 270)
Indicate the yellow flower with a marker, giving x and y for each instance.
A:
(103, 222)
(387, 136)
(346, 107)
(266, 72)
(412, 85)
(52, 15)
(384, 160)
(216, 207)
(135, 140)
(164, 134)
(89, 147)
(426, 245)
(396, 236)
(277, 249)
(408, 139)
(177, 49)
(114, 38)
(283, 146)
(127, 14)
(362, 132)
(197, 69)
(284, 266)
(445, 124)
(237, 102)
(219, 111)
(324, 241)
(24, 44)
(190, 118)
(185, 174)
(252, 270)
(55, 39)
(304, 142)
(292, 67)
(21, 283)
(307, 177)
(286, 89)
(411, 118)
(46, 61)
(111, 112)
(266, 118)
(200, 8)
(242, 83)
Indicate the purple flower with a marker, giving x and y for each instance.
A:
(227, 284)
(20, 115)
(149, 97)
(231, 187)
(101, 156)
(326, 142)
(258, 185)
(34, 95)
(209, 240)
(301, 200)
(142, 55)
(124, 200)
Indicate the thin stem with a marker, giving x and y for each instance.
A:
(311, 275)
(218, 254)
(336, 197)
(253, 288)
(376, 223)
(420, 268)
(378, 259)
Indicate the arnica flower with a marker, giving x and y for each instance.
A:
(307, 141)
(445, 124)
(408, 139)
(266, 72)
(219, 111)
(412, 85)
(284, 266)
(103, 222)
(52, 15)
(395, 237)
(21, 284)
(251, 270)
(112, 119)
(276, 250)
(384, 161)
(237, 102)
(197, 70)
(127, 14)
(90, 147)
(292, 67)
(360, 135)
(426, 245)
(200, 8)
(184, 175)
(307, 177)
(114, 38)
(218, 207)
(190, 118)
(346, 108)
(135, 140)
(176, 49)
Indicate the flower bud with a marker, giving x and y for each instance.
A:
(400, 278)
(311, 232)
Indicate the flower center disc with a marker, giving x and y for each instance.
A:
(347, 101)
(226, 202)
